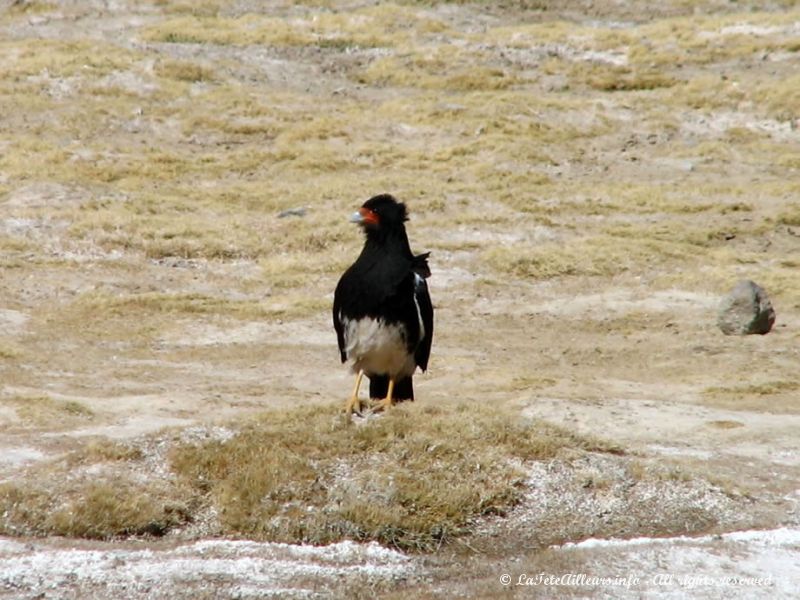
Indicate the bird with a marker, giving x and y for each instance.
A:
(382, 310)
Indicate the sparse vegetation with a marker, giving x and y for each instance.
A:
(46, 411)
(601, 256)
(770, 396)
(587, 191)
(97, 452)
(307, 475)
(111, 507)
(8, 351)
(403, 479)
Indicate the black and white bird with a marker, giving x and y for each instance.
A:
(382, 312)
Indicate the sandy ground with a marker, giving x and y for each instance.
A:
(205, 569)
(609, 356)
(740, 565)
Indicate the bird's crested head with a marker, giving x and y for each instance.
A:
(382, 212)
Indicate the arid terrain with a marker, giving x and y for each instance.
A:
(591, 178)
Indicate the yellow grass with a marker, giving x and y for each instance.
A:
(402, 479)
(305, 475)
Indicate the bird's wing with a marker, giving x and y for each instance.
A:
(367, 288)
(423, 300)
(368, 285)
(338, 325)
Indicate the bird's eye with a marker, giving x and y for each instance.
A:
(370, 216)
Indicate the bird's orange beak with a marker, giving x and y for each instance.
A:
(365, 216)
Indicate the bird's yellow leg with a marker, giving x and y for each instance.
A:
(387, 402)
(354, 404)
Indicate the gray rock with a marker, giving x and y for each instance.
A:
(746, 310)
(300, 211)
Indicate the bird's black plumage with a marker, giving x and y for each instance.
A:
(382, 311)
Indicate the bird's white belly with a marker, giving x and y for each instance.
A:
(378, 348)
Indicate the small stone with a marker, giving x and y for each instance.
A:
(746, 310)
(300, 211)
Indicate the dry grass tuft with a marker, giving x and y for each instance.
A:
(447, 70)
(609, 78)
(43, 410)
(9, 350)
(115, 508)
(50, 59)
(93, 492)
(151, 307)
(97, 509)
(772, 396)
(104, 451)
(602, 255)
(184, 71)
(790, 217)
(724, 424)
(413, 478)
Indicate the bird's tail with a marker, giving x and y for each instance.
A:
(379, 387)
(419, 264)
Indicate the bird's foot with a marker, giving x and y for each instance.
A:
(379, 405)
(353, 405)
